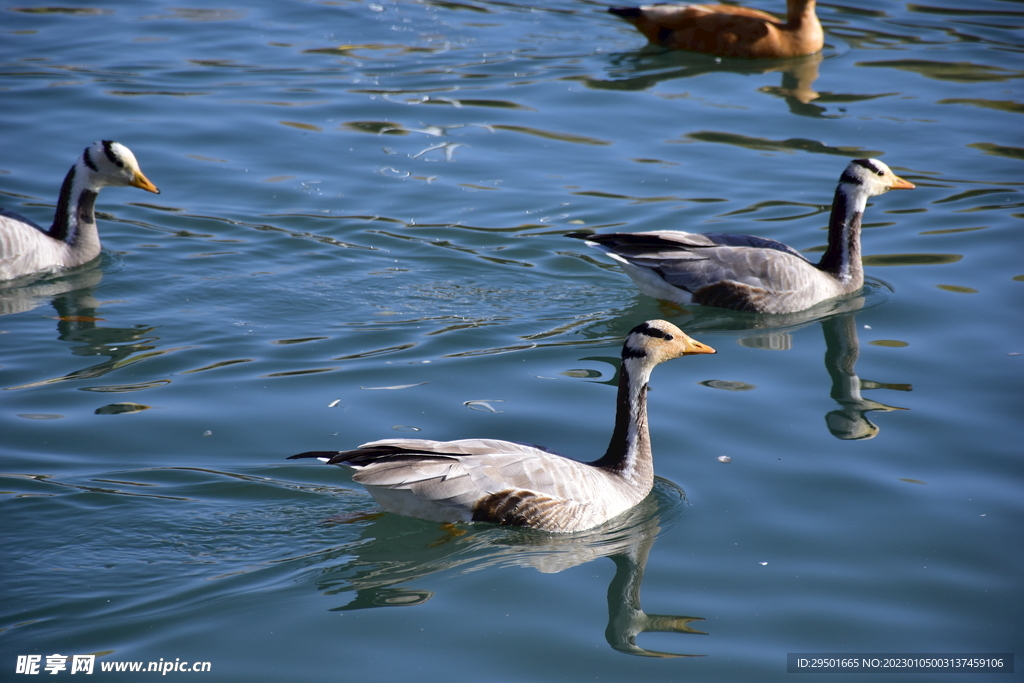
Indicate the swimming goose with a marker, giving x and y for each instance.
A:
(729, 31)
(72, 239)
(756, 274)
(487, 480)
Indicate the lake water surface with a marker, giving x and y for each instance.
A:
(360, 235)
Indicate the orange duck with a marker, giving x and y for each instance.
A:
(729, 31)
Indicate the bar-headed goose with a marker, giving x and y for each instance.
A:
(72, 240)
(756, 274)
(487, 480)
(729, 31)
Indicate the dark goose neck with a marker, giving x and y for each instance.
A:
(629, 450)
(75, 207)
(842, 257)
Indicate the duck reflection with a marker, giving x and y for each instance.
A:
(634, 72)
(395, 550)
(798, 77)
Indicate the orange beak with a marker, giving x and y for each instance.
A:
(693, 346)
(902, 184)
(142, 182)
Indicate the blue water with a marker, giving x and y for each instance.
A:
(361, 235)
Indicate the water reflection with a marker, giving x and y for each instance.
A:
(787, 145)
(798, 76)
(838, 320)
(842, 348)
(395, 550)
(78, 322)
(22, 296)
(633, 71)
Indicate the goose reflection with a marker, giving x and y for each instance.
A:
(75, 290)
(394, 550)
(838, 320)
(78, 322)
(842, 348)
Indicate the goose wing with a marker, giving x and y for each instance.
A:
(692, 261)
(471, 480)
(24, 246)
(666, 243)
(10, 221)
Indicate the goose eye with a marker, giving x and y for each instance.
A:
(880, 173)
(669, 337)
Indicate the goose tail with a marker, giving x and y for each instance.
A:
(323, 456)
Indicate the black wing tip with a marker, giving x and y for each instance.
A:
(313, 454)
(599, 238)
(580, 235)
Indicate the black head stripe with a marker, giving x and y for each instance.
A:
(630, 352)
(108, 149)
(651, 331)
(850, 178)
(87, 158)
(869, 165)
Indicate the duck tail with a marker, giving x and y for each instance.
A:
(625, 12)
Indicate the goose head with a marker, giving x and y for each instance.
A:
(657, 341)
(871, 177)
(109, 163)
(629, 451)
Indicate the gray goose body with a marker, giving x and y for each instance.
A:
(748, 273)
(73, 239)
(489, 480)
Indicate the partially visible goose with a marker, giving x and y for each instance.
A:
(486, 480)
(749, 273)
(729, 31)
(72, 239)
